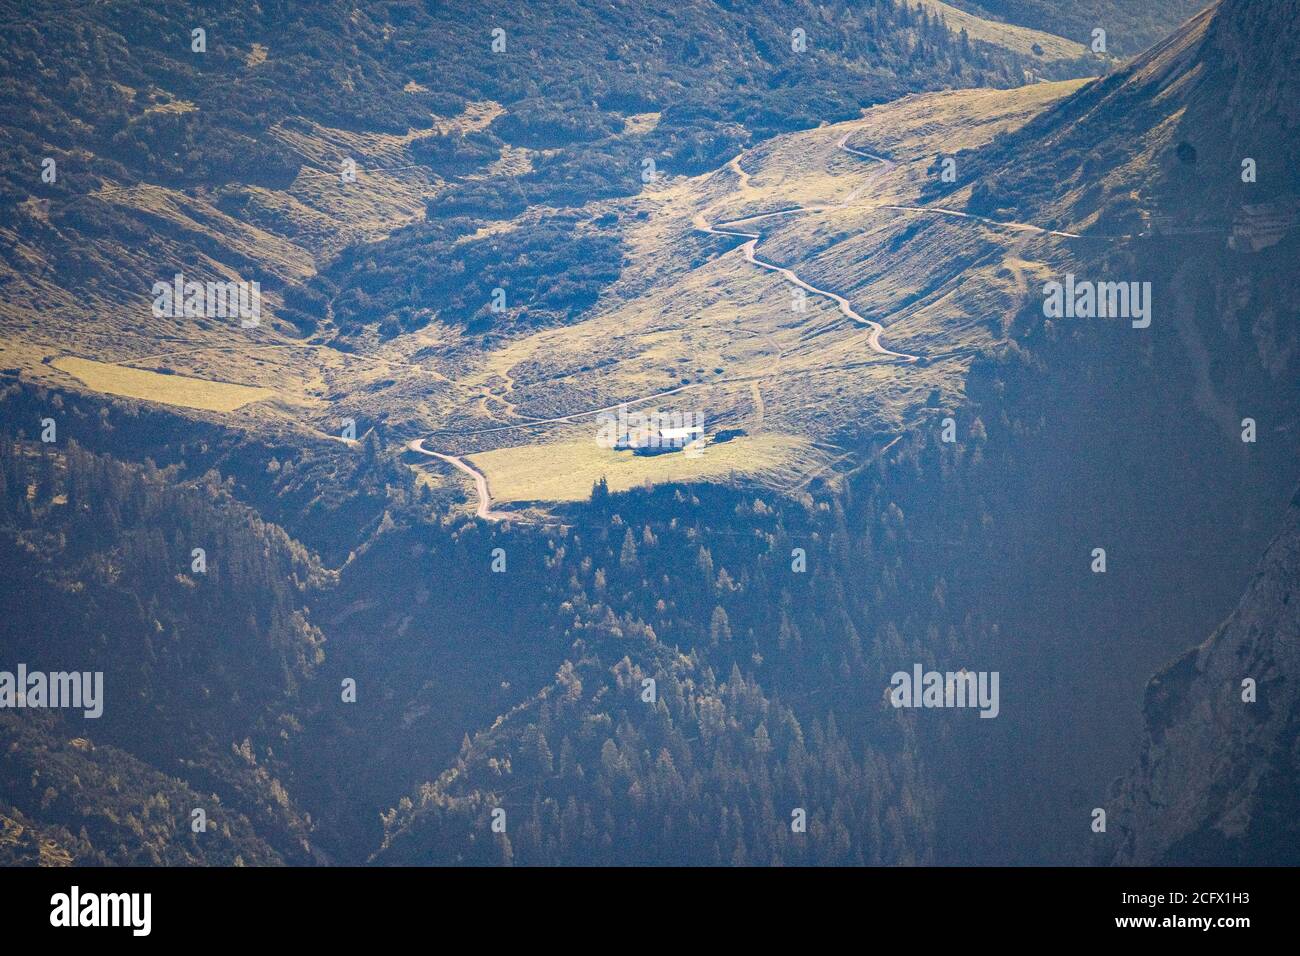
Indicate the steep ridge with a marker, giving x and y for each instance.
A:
(1159, 144)
(199, 668)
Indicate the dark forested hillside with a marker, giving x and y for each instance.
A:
(100, 574)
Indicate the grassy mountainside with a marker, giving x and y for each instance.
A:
(285, 93)
(518, 170)
(1131, 25)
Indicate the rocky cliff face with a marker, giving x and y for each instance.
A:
(1217, 781)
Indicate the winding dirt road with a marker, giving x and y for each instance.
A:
(748, 249)
(1013, 226)
(752, 238)
(484, 509)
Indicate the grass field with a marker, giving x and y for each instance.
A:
(155, 387)
(1022, 40)
(565, 471)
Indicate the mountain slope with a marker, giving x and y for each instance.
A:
(1021, 39)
